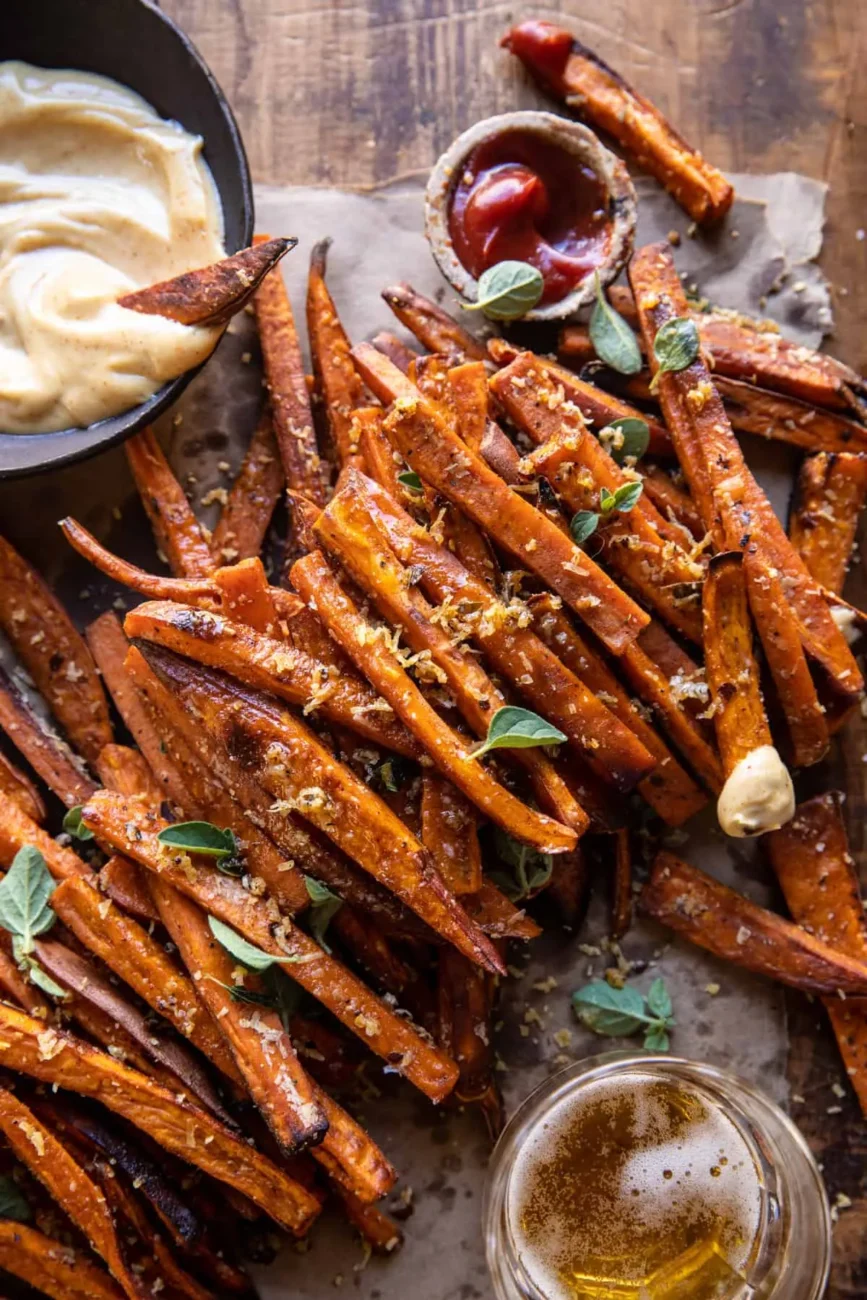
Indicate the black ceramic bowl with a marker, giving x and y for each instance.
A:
(131, 41)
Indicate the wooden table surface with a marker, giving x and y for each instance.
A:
(352, 93)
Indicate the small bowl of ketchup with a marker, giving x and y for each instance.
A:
(531, 187)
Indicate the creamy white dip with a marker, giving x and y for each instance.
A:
(98, 196)
(758, 796)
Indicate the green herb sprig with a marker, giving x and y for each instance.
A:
(409, 479)
(255, 959)
(74, 826)
(26, 912)
(207, 840)
(675, 347)
(324, 906)
(612, 337)
(585, 522)
(531, 870)
(514, 728)
(619, 1013)
(508, 290)
(633, 441)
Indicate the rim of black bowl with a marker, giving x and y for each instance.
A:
(89, 440)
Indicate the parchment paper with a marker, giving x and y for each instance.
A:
(764, 249)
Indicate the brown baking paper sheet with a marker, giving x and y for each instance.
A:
(765, 248)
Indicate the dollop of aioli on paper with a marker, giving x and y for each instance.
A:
(98, 197)
(758, 796)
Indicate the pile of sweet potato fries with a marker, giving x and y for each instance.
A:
(319, 752)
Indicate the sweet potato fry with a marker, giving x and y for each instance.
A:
(252, 498)
(180, 1127)
(786, 419)
(740, 721)
(395, 349)
(48, 645)
(348, 528)
(669, 789)
(443, 461)
(262, 1051)
(17, 786)
(733, 506)
(621, 885)
(18, 990)
(49, 756)
(52, 1268)
(449, 831)
(671, 500)
(337, 379)
(155, 585)
(126, 771)
(210, 295)
(469, 387)
(601, 408)
(376, 451)
(730, 926)
(17, 829)
(177, 532)
(139, 960)
(578, 77)
(284, 378)
(465, 1000)
(372, 950)
(492, 912)
(246, 595)
(829, 498)
(313, 578)
(820, 884)
(123, 882)
(111, 817)
(380, 1232)
(433, 327)
(270, 665)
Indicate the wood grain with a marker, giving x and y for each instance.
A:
(341, 93)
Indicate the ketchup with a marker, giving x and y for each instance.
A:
(542, 46)
(522, 197)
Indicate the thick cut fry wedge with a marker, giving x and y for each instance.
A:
(357, 637)
(129, 823)
(578, 77)
(70, 1186)
(180, 1127)
(177, 532)
(725, 923)
(210, 295)
(820, 884)
(271, 665)
(467, 606)
(450, 833)
(433, 327)
(338, 381)
(395, 349)
(284, 378)
(733, 506)
(669, 789)
(48, 645)
(262, 1051)
(246, 595)
(52, 1268)
(49, 756)
(252, 498)
(442, 460)
(17, 829)
(139, 960)
(739, 717)
(17, 786)
(829, 498)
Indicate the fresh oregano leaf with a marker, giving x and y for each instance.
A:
(43, 981)
(410, 480)
(632, 440)
(627, 496)
(393, 773)
(324, 904)
(24, 894)
(531, 870)
(607, 501)
(12, 1203)
(74, 826)
(612, 337)
(514, 728)
(247, 954)
(583, 526)
(656, 1040)
(659, 1000)
(200, 837)
(615, 1013)
(675, 347)
(508, 290)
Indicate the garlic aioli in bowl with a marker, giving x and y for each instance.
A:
(99, 196)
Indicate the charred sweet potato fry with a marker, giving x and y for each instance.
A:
(829, 498)
(284, 378)
(820, 884)
(337, 379)
(273, 666)
(433, 327)
(49, 756)
(210, 295)
(727, 924)
(180, 1127)
(733, 506)
(252, 498)
(578, 77)
(112, 817)
(177, 532)
(669, 789)
(358, 638)
(48, 645)
(17, 786)
(17, 829)
(139, 960)
(52, 1268)
(449, 831)
(740, 721)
